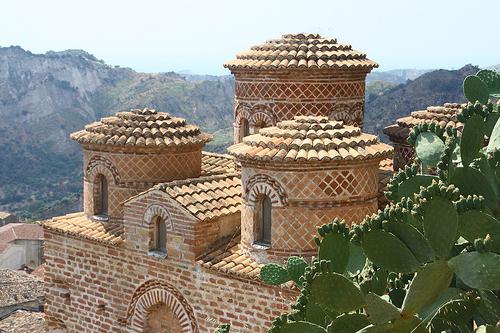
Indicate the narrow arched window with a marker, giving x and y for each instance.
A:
(264, 218)
(159, 235)
(101, 195)
(244, 129)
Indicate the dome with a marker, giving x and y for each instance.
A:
(301, 51)
(444, 116)
(310, 139)
(141, 128)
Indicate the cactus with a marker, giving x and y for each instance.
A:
(224, 328)
(430, 261)
(475, 89)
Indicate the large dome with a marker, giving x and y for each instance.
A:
(310, 139)
(301, 51)
(142, 128)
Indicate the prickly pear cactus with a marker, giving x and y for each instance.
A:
(430, 261)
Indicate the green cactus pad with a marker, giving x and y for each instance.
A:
(486, 329)
(296, 267)
(274, 274)
(477, 270)
(472, 181)
(452, 315)
(379, 310)
(472, 139)
(412, 238)
(336, 293)
(491, 121)
(440, 225)
(314, 314)
(426, 287)
(387, 251)
(410, 186)
(475, 224)
(494, 143)
(357, 259)
(335, 247)
(489, 171)
(348, 323)
(446, 296)
(302, 327)
(377, 284)
(489, 307)
(476, 90)
(429, 148)
(491, 79)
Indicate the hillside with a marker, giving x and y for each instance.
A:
(433, 88)
(45, 97)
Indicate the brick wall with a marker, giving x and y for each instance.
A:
(92, 287)
(266, 97)
(304, 198)
(131, 172)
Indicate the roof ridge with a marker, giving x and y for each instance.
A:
(195, 181)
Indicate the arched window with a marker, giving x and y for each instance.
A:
(244, 128)
(100, 195)
(159, 241)
(263, 221)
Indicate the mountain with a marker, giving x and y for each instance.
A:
(45, 97)
(433, 88)
(395, 76)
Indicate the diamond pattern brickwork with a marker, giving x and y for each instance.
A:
(299, 90)
(403, 155)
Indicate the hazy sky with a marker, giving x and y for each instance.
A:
(200, 35)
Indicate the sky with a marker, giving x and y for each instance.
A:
(200, 35)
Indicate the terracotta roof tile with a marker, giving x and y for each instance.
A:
(230, 259)
(144, 128)
(213, 163)
(445, 116)
(16, 231)
(301, 51)
(310, 139)
(207, 197)
(385, 173)
(79, 225)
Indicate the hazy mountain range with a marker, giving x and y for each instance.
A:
(45, 97)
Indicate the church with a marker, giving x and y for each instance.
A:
(172, 238)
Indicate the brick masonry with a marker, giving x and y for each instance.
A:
(302, 199)
(265, 97)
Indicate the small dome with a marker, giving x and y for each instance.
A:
(444, 116)
(301, 51)
(141, 128)
(310, 139)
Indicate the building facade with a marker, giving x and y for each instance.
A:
(168, 236)
(299, 74)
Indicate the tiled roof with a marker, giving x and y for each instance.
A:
(310, 139)
(230, 259)
(207, 197)
(16, 231)
(301, 51)
(18, 287)
(23, 322)
(385, 172)
(445, 116)
(79, 225)
(141, 128)
(213, 163)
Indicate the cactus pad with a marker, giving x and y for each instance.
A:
(348, 323)
(335, 247)
(440, 225)
(426, 287)
(476, 90)
(379, 310)
(475, 224)
(477, 270)
(429, 148)
(472, 139)
(336, 293)
(296, 267)
(274, 274)
(386, 250)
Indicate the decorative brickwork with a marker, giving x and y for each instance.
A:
(261, 184)
(404, 154)
(299, 75)
(156, 301)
